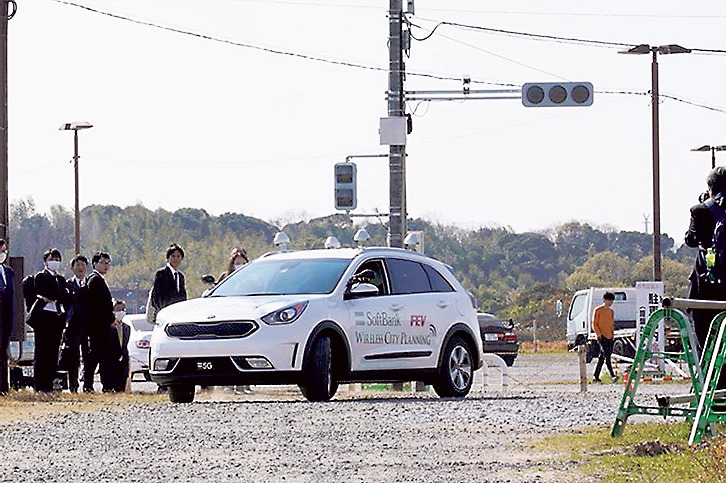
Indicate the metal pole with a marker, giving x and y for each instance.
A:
(656, 170)
(713, 157)
(4, 213)
(397, 153)
(78, 212)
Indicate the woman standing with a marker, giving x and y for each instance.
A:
(237, 258)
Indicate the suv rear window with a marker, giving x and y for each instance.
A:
(412, 277)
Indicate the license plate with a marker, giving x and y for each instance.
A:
(490, 337)
(205, 366)
(27, 371)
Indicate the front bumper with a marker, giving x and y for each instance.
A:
(220, 362)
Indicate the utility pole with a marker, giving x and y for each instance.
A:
(396, 108)
(7, 11)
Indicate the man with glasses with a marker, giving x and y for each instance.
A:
(101, 319)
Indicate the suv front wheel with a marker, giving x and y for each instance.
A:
(456, 372)
(181, 393)
(319, 383)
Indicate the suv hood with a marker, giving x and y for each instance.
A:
(227, 308)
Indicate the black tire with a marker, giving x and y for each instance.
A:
(619, 348)
(456, 372)
(319, 381)
(181, 393)
(509, 360)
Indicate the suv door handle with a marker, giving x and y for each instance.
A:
(396, 307)
(441, 304)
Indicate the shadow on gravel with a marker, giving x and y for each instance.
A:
(372, 400)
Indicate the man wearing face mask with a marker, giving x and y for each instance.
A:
(6, 315)
(101, 319)
(50, 314)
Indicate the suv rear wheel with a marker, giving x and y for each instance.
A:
(456, 372)
(319, 383)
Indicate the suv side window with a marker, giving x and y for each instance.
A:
(407, 277)
(380, 278)
(438, 282)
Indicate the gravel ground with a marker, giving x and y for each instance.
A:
(274, 435)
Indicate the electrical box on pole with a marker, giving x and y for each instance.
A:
(345, 186)
(557, 94)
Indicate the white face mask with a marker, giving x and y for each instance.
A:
(237, 265)
(3, 256)
(54, 265)
(120, 314)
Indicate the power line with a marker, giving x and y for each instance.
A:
(552, 38)
(368, 67)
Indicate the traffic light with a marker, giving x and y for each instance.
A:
(345, 186)
(557, 94)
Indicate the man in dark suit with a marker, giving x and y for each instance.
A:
(700, 235)
(6, 315)
(49, 314)
(169, 281)
(75, 337)
(100, 319)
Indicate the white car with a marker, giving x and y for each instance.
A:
(139, 344)
(318, 318)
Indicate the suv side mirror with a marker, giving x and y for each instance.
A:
(359, 290)
(209, 279)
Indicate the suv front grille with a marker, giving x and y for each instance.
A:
(215, 330)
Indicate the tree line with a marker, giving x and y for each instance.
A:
(514, 275)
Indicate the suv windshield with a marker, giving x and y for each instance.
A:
(283, 277)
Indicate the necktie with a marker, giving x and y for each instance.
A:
(176, 280)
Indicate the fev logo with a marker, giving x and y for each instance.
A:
(418, 320)
(360, 318)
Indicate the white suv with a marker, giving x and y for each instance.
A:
(318, 318)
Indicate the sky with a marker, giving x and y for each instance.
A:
(215, 120)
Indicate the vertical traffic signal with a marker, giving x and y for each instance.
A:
(345, 186)
(557, 94)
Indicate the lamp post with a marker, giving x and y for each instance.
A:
(713, 150)
(655, 50)
(75, 127)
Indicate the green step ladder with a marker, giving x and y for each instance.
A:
(707, 405)
(711, 404)
(628, 406)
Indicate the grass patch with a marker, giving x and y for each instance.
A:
(28, 405)
(644, 453)
(543, 347)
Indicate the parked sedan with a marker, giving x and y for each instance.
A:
(139, 344)
(498, 338)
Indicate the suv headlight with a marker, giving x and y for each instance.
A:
(285, 316)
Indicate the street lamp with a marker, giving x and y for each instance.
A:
(75, 127)
(713, 150)
(655, 50)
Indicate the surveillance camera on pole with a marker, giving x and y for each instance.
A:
(345, 186)
(557, 94)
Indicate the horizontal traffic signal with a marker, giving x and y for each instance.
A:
(557, 94)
